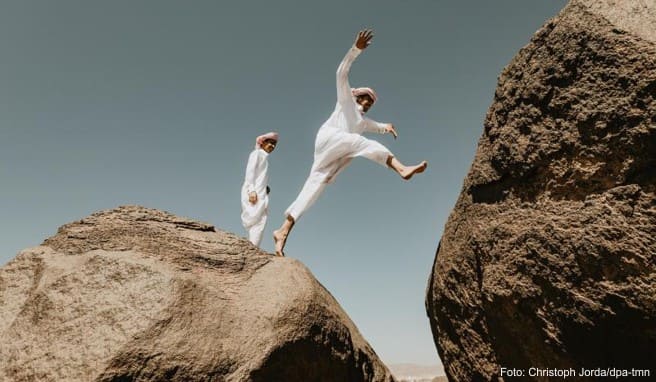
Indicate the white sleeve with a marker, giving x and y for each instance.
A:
(372, 126)
(344, 95)
(250, 171)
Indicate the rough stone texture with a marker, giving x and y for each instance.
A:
(136, 294)
(549, 256)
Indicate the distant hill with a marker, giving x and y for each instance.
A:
(409, 372)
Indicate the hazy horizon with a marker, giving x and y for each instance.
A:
(158, 103)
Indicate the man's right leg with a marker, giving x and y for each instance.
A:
(313, 187)
(280, 235)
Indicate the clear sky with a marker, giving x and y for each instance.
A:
(158, 103)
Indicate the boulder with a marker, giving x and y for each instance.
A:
(548, 259)
(136, 294)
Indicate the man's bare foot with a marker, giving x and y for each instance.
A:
(409, 171)
(279, 240)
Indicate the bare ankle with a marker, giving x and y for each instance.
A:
(279, 233)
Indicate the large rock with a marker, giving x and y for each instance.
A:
(135, 294)
(548, 259)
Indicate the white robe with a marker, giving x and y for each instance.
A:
(254, 216)
(339, 140)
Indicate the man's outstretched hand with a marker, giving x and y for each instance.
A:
(364, 38)
(389, 129)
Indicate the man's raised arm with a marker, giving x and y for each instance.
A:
(362, 41)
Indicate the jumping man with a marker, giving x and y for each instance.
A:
(339, 140)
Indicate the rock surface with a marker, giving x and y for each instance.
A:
(136, 294)
(549, 256)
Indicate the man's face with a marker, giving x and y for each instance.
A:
(269, 145)
(364, 101)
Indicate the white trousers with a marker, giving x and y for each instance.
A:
(332, 153)
(255, 231)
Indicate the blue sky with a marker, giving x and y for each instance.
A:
(158, 103)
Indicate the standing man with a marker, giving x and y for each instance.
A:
(255, 190)
(339, 140)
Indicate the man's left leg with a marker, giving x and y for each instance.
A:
(380, 154)
(255, 232)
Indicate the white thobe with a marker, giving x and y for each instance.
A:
(339, 140)
(254, 216)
